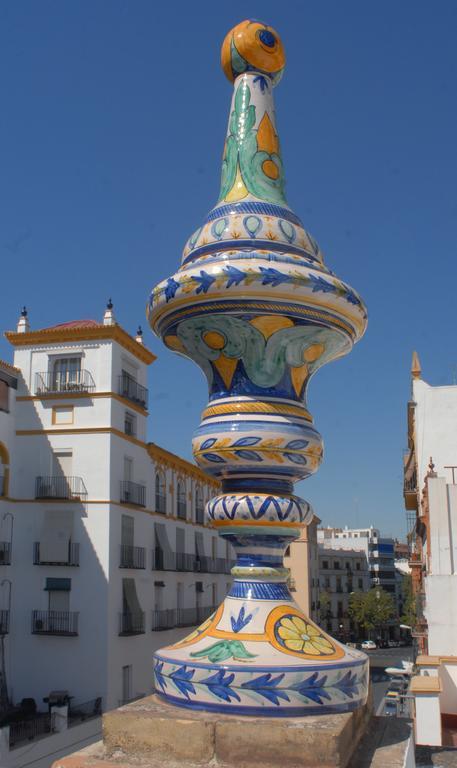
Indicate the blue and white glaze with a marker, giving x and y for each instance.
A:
(254, 305)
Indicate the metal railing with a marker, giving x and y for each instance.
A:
(132, 623)
(4, 622)
(161, 503)
(133, 493)
(187, 617)
(55, 623)
(182, 561)
(51, 382)
(132, 557)
(163, 561)
(27, 730)
(185, 562)
(5, 553)
(204, 564)
(78, 713)
(163, 619)
(59, 487)
(72, 558)
(131, 390)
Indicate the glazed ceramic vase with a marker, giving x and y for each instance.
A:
(254, 305)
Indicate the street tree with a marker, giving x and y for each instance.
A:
(371, 610)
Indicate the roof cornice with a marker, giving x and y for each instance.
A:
(82, 333)
(160, 454)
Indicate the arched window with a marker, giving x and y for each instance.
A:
(4, 470)
(161, 502)
(199, 507)
(181, 500)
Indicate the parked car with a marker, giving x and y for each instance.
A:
(390, 708)
(368, 645)
(393, 644)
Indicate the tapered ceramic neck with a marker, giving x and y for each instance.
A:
(251, 166)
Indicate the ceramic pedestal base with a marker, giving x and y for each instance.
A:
(258, 654)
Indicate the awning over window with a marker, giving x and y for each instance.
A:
(58, 585)
(130, 597)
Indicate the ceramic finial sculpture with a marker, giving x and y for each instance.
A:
(256, 308)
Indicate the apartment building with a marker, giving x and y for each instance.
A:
(341, 572)
(379, 552)
(104, 551)
(430, 493)
(302, 559)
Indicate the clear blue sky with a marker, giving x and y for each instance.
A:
(113, 115)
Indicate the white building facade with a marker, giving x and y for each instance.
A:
(430, 491)
(341, 572)
(104, 552)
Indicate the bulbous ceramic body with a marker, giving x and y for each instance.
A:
(256, 308)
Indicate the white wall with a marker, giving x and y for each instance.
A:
(435, 428)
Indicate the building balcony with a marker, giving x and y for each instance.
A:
(60, 487)
(4, 622)
(189, 617)
(62, 623)
(130, 389)
(133, 493)
(56, 383)
(22, 732)
(163, 619)
(205, 564)
(132, 557)
(161, 503)
(185, 562)
(163, 561)
(72, 559)
(132, 623)
(5, 553)
(410, 489)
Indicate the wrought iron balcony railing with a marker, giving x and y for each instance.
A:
(184, 562)
(79, 713)
(23, 731)
(131, 390)
(132, 557)
(72, 558)
(133, 493)
(60, 487)
(163, 561)
(50, 382)
(163, 619)
(131, 623)
(5, 553)
(64, 623)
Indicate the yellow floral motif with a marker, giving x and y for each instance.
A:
(297, 635)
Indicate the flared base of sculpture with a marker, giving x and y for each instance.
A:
(258, 654)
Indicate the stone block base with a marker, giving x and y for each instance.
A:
(169, 736)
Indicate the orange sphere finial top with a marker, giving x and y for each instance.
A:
(253, 47)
